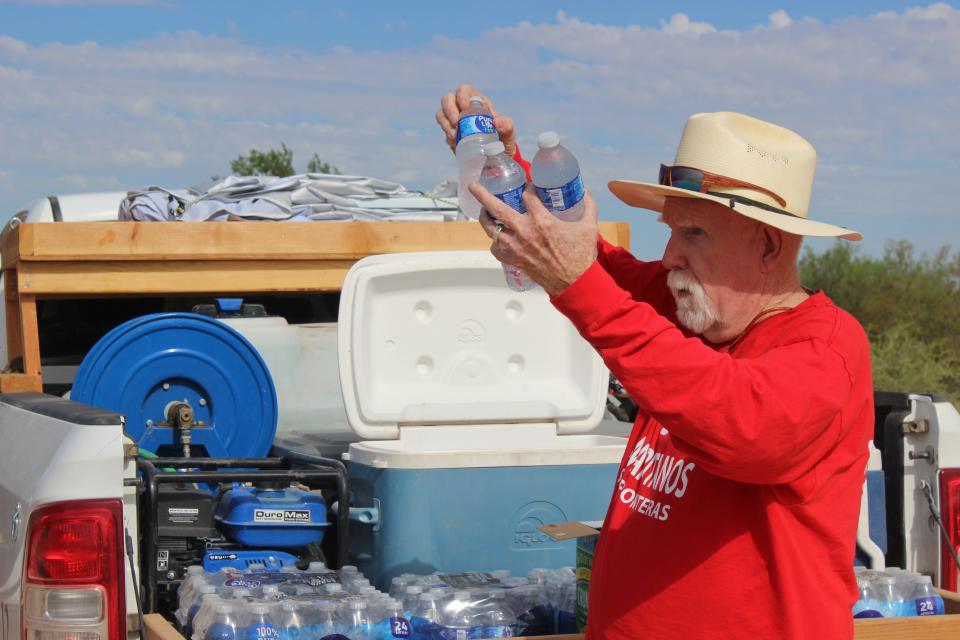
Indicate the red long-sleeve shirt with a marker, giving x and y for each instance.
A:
(736, 505)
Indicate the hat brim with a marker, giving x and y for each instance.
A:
(645, 195)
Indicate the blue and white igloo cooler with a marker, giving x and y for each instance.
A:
(473, 403)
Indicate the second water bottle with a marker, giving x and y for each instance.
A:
(506, 179)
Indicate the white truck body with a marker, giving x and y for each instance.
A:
(46, 460)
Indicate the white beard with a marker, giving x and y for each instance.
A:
(695, 311)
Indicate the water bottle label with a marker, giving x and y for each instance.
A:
(514, 199)
(497, 631)
(240, 583)
(262, 632)
(320, 579)
(469, 580)
(559, 199)
(474, 124)
(461, 633)
(868, 613)
(399, 627)
(221, 631)
(929, 606)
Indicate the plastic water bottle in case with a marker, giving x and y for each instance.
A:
(324, 625)
(460, 619)
(259, 625)
(474, 130)
(498, 618)
(505, 179)
(556, 177)
(224, 625)
(926, 599)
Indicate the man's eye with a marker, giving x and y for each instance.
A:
(693, 232)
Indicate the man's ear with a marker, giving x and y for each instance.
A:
(771, 243)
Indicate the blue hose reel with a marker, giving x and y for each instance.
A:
(168, 371)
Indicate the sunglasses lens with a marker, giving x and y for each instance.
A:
(686, 178)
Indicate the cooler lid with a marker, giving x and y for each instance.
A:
(438, 339)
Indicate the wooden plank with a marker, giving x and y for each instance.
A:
(12, 315)
(9, 245)
(157, 628)
(951, 601)
(30, 334)
(926, 628)
(251, 240)
(20, 382)
(56, 279)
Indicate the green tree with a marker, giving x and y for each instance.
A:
(316, 165)
(908, 305)
(275, 162)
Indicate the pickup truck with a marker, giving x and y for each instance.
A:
(77, 555)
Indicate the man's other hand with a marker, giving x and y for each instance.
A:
(453, 104)
(553, 252)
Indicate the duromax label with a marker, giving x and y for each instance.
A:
(281, 515)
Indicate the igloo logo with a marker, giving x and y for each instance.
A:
(524, 532)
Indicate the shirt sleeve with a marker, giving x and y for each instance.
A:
(765, 420)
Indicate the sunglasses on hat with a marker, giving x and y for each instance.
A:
(701, 181)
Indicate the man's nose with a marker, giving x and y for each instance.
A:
(673, 257)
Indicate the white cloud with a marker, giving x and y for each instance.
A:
(12, 47)
(780, 19)
(874, 94)
(939, 11)
(83, 3)
(680, 24)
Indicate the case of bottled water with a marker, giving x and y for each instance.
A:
(450, 606)
(894, 592)
(475, 405)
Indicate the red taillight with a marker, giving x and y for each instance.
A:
(950, 513)
(75, 555)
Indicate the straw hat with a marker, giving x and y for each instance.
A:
(755, 168)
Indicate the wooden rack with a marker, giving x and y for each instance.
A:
(113, 259)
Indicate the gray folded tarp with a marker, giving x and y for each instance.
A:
(304, 197)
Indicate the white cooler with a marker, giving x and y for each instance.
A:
(474, 404)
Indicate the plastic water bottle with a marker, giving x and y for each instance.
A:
(224, 625)
(397, 585)
(556, 177)
(474, 130)
(357, 619)
(201, 621)
(500, 574)
(460, 620)
(259, 624)
(317, 567)
(926, 600)
(193, 606)
(288, 620)
(393, 621)
(533, 615)
(567, 609)
(884, 596)
(428, 608)
(505, 179)
(324, 624)
(333, 588)
(411, 596)
(498, 618)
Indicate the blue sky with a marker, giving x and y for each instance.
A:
(120, 94)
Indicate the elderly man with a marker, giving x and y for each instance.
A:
(734, 514)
